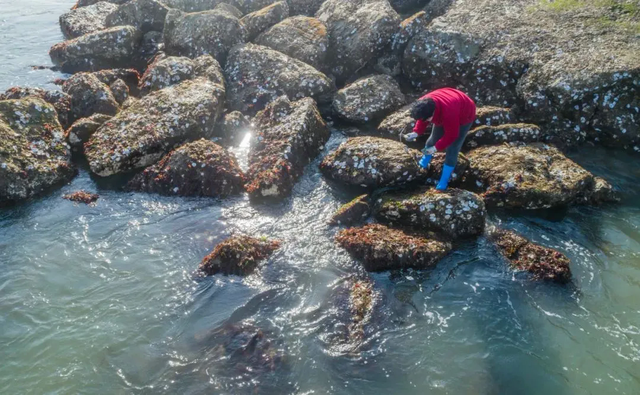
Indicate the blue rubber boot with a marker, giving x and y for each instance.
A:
(447, 171)
(424, 162)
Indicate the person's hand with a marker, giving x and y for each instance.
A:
(411, 136)
(429, 150)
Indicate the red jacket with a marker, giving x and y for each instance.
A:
(453, 109)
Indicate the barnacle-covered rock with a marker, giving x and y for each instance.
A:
(151, 45)
(145, 15)
(202, 5)
(353, 212)
(305, 7)
(288, 135)
(506, 133)
(129, 76)
(89, 96)
(233, 127)
(82, 129)
(372, 162)
(59, 100)
(403, 6)
(390, 61)
(249, 6)
(381, 248)
(542, 262)
(202, 33)
(82, 197)
(454, 213)
(164, 72)
(33, 154)
(238, 255)
(300, 37)
(604, 192)
(493, 116)
(532, 177)
(434, 171)
(257, 75)
(397, 124)
(105, 49)
(258, 21)
(368, 99)
(150, 127)
(86, 3)
(120, 91)
(359, 31)
(81, 21)
(199, 168)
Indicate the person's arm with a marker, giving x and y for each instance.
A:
(451, 132)
(421, 127)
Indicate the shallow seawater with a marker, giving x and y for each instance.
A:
(103, 299)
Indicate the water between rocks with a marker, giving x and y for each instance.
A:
(102, 299)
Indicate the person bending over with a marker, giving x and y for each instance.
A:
(452, 113)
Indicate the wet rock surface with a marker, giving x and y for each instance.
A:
(372, 162)
(238, 255)
(199, 168)
(531, 177)
(85, 3)
(145, 15)
(233, 128)
(59, 100)
(89, 96)
(506, 133)
(299, 37)
(82, 129)
(81, 21)
(258, 21)
(381, 248)
(352, 213)
(150, 127)
(82, 197)
(453, 213)
(543, 263)
(167, 71)
(288, 135)
(33, 154)
(257, 75)
(105, 49)
(368, 99)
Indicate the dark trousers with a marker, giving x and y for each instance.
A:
(454, 149)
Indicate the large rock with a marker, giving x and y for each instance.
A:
(390, 61)
(353, 212)
(531, 177)
(368, 99)
(104, 49)
(249, 6)
(571, 69)
(372, 162)
(201, 5)
(604, 192)
(397, 124)
(82, 129)
(150, 127)
(493, 116)
(33, 154)
(257, 75)
(199, 168)
(381, 248)
(305, 7)
(542, 262)
(89, 96)
(202, 33)
(86, 3)
(146, 15)
(506, 133)
(59, 100)
(288, 135)
(164, 72)
(238, 255)
(300, 37)
(81, 21)
(454, 213)
(359, 31)
(259, 21)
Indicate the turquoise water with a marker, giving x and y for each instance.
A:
(103, 300)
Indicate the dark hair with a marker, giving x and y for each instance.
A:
(423, 109)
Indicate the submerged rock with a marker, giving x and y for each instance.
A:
(202, 33)
(150, 127)
(258, 21)
(300, 37)
(542, 262)
(381, 248)
(81, 21)
(104, 49)
(199, 168)
(397, 124)
(89, 96)
(368, 98)
(82, 197)
(507, 133)
(33, 154)
(454, 213)
(59, 100)
(353, 212)
(233, 127)
(372, 162)
(238, 255)
(145, 15)
(164, 72)
(361, 301)
(288, 135)
(82, 129)
(257, 75)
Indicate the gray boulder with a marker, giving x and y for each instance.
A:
(372, 162)
(33, 154)
(150, 127)
(403, 6)
(167, 71)
(257, 75)
(59, 100)
(259, 21)
(89, 96)
(517, 133)
(212, 33)
(305, 7)
(81, 21)
(82, 129)
(368, 99)
(201, 5)
(104, 49)
(145, 15)
(300, 37)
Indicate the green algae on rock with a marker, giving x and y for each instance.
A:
(353, 212)
(238, 255)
